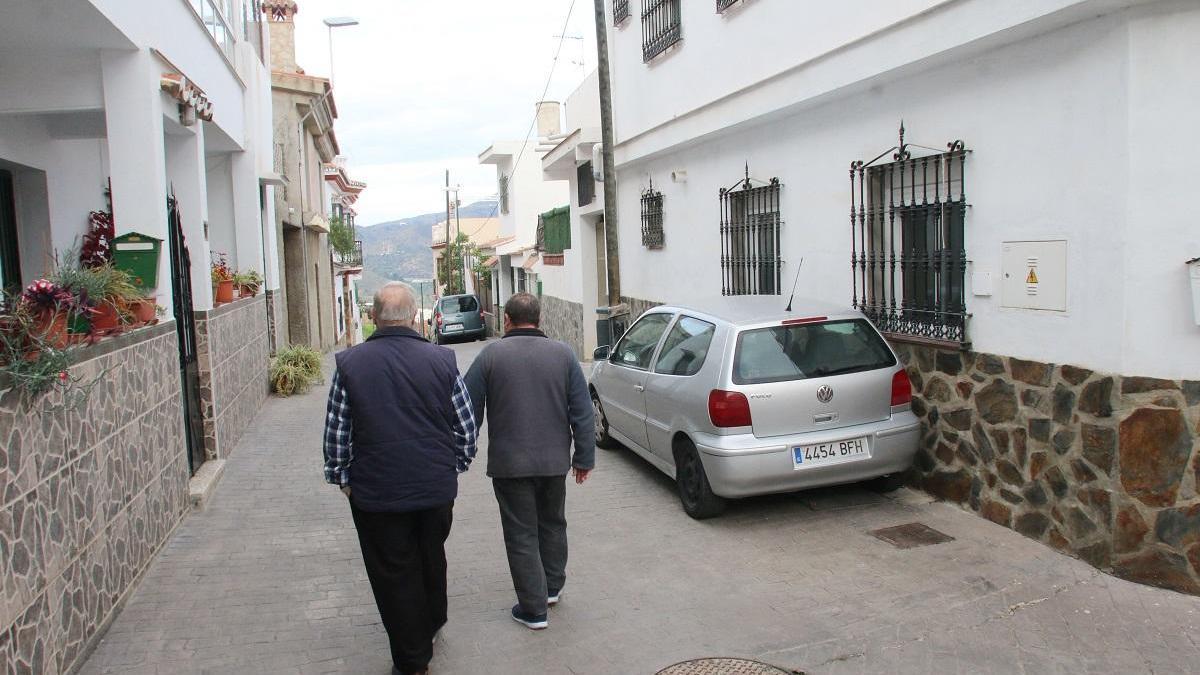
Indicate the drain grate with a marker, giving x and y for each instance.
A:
(911, 535)
(725, 667)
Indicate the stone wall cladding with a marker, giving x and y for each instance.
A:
(234, 351)
(637, 306)
(1097, 465)
(88, 497)
(563, 320)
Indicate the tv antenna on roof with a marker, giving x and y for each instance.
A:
(793, 295)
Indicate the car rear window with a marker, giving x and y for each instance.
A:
(466, 303)
(810, 350)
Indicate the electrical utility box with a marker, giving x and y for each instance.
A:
(1033, 275)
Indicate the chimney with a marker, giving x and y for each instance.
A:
(548, 122)
(283, 34)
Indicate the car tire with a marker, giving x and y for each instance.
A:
(890, 482)
(695, 492)
(603, 440)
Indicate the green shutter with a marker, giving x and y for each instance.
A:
(556, 225)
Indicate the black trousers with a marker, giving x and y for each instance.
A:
(405, 557)
(532, 513)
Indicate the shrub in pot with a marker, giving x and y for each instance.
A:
(294, 370)
(222, 279)
(248, 283)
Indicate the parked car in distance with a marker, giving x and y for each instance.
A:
(458, 317)
(742, 398)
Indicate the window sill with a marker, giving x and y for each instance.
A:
(927, 342)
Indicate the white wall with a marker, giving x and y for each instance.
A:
(1067, 133)
(778, 54)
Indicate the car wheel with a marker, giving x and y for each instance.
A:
(889, 483)
(603, 440)
(695, 493)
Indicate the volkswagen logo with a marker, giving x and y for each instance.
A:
(825, 394)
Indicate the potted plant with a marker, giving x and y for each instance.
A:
(142, 309)
(222, 279)
(47, 305)
(117, 292)
(248, 283)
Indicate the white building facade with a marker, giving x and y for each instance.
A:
(990, 184)
(117, 105)
(524, 194)
(573, 282)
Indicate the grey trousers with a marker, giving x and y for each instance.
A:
(532, 513)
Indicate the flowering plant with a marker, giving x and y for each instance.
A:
(46, 296)
(220, 268)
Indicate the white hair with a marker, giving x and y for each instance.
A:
(395, 303)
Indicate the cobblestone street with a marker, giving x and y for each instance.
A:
(269, 579)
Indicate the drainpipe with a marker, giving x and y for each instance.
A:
(611, 254)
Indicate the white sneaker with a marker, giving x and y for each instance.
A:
(552, 599)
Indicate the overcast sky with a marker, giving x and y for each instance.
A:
(422, 87)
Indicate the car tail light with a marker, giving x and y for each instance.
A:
(901, 388)
(439, 320)
(728, 409)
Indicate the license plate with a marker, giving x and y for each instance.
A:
(836, 452)
(453, 327)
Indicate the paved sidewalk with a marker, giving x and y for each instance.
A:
(269, 579)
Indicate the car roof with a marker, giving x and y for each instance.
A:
(747, 310)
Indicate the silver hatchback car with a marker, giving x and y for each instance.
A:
(742, 398)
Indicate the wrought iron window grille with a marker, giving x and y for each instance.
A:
(652, 218)
(751, 255)
(723, 5)
(620, 11)
(503, 189)
(662, 26)
(908, 256)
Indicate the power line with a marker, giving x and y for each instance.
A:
(562, 36)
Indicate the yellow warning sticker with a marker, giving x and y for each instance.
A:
(1032, 278)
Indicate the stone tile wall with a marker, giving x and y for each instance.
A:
(563, 320)
(88, 497)
(637, 306)
(234, 356)
(1097, 465)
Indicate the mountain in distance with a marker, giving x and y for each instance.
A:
(398, 250)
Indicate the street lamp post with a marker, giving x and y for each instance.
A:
(336, 22)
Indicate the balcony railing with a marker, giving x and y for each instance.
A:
(218, 17)
(351, 258)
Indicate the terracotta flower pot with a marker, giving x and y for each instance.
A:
(51, 328)
(224, 291)
(142, 310)
(105, 318)
(248, 290)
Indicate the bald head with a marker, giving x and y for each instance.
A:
(395, 305)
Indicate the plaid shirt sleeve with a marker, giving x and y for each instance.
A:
(463, 426)
(339, 451)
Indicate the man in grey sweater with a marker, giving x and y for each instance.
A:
(537, 404)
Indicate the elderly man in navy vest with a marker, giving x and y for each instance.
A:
(537, 404)
(399, 430)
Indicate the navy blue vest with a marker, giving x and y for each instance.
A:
(400, 389)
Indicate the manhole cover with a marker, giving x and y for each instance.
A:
(725, 667)
(911, 535)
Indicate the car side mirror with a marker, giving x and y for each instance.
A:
(601, 353)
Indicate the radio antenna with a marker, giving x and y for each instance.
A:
(793, 295)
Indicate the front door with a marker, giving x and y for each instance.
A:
(10, 259)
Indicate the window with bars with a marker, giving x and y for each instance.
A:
(652, 218)
(751, 259)
(503, 186)
(662, 26)
(620, 11)
(908, 256)
(723, 5)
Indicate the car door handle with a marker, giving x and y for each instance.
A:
(639, 387)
